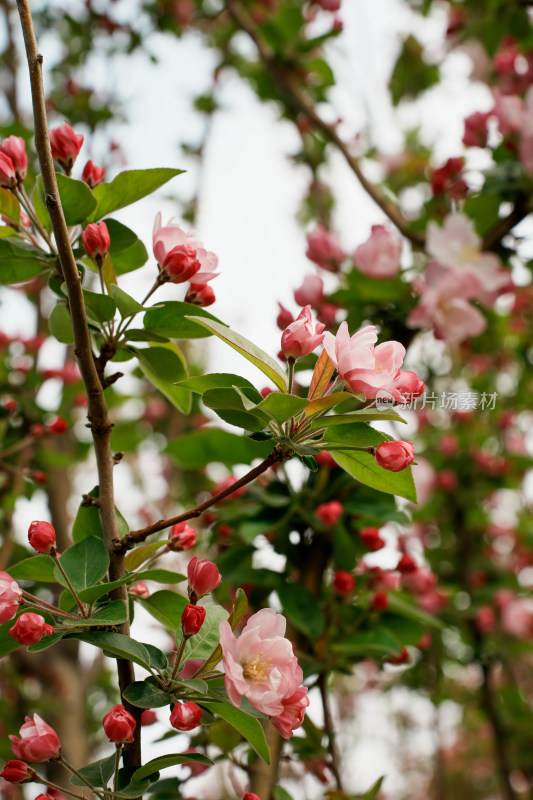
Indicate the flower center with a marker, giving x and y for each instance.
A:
(256, 668)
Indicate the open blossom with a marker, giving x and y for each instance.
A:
(181, 537)
(10, 597)
(261, 666)
(363, 367)
(180, 255)
(30, 628)
(324, 248)
(38, 741)
(300, 339)
(379, 256)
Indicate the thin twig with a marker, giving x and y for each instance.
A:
(330, 732)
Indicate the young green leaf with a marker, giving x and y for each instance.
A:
(249, 727)
(128, 187)
(170, 319)
(170, 760)
(163, 366)
(199, 448)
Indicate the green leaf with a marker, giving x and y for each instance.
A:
(7, 643)
(126, 252)
(240, 607)
(132, 790)
(100, 307)
(280, 793)
(196, 450)
(406, 609)
(9, 205)
(364, 415)
(302, 608)
(202, 644)
(88, 523)
(250, 351)
(76, 197)
(60, 324)
(362, 466)
(232, 407)
(126, 305)
(249, 727)
(166, 607)
(118, 645)
(20, 263)
(217, 380)
(92, 593)
(99, 773)
(46, 642)
(111, 614)
(163, 366)
(160, 575)
(140, 554)
(170, 760)
(369, 643)
(170, 319)
(128, 187)
(35, 568)
(373, 792)
(147, 694)
(282, 407)
(84, 563)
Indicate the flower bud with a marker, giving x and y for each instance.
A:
(65, 145)
(380, 601)
(8, 177)
(43, 796)
(140, 589)
(10, 597)
(58, 426)
(251, 796)
(119, 725)
(14, 147)
(311, 292)
(325, 459)
(16, 772)
(192, 619)
(401, 658)
(185, 716)
(181, 537)
(200, 294)
(406, 564)
(371, 538)
(38, 742)
(203, 577)
(324, 248)
(92, 175)
(148, 717)
(395, 456)
(42, 536)
(284, 318)
(329, 513)
(96, 240)
(30, 629)
(343, 582)
(299, 339)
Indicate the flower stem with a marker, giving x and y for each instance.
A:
(37, 602)
(118, 751)
(290, 366)
(81, 777)
(58, 788)
(179, 656)
(70, 586)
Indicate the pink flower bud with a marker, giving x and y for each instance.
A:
(181, 537)
(96, 240)
(311, 292)
(30, 629)
(10, 597)
(324, 247)
(371, 538)
(119, 725)
(43, 796)
(485, 619)
(8, 177)
(185, 716)
(395, 456)
(284, 318)
(329, 513)
(148, 717)
(325, 459)
(343, 582)
(38, 742)
(251, 796)
(448, 179)
(14, 147)
(41, 536)
(65, 145)
(192, 619)
(58, 425)
(476, 132)
(180, 255)
(379, 256)
(203, 577)
(16, 772)
(328, 5)
(380, 601)
(299, 339)
(406, 564)
(200, 294)
(140, 589)
(92, 175)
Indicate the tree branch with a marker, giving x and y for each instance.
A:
(98, 415)
(330, 732)
(301, 103)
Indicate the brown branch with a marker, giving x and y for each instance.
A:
(134, 537)
(301, 103)
(98, 415)
(502, 227)
(330, 732)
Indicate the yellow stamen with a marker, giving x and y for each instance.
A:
(256, 668)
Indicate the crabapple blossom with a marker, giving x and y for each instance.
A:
(10, 597)
(42, 536)
(14, 147)
(38, 741)
(148, 717)
(200, 294)
(343, 582)
(284, 318)
(30, 629)
(311, 292)
(192, 619)
(65, 145)
(140, 589)
(181, 537)
(185, 716)
(203, 577)
(293, 712)
(300, 339)
(180, 255)
(371, 538)
(394, 456)
(324, 249)
(119, 725)
(476, 132)
(92, 175)
(8, 176)
(329, 513)
(379, 256)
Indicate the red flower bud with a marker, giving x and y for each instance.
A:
(325, 459)
(185, 716)
(10, 405)
(65, 145)
(406, 564)
(58, 425)
(200, 294)
(92, 175)
(96, 240)
(43, 796)
(192, 619)
(343, 582)
(329, 513)
(41, 536)
(148, 717)
(380, 601)
(284, 318)
(203, 577)
(251, 796)
(16, 772)
(119, 725)
(401, 658)
(39, 476)
(371, 538)
(8, 176)
(395, 456)
(181, 537)
(30, 629)
(14, 147)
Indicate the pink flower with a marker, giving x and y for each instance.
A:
(363, 367)
(30, 629)
(203, 577)
(96, 240)
(260, 664)
(38, 742)
(65, 145)
(448, 179)
(510, 112)
(329, 513)
(148, 717)
(293, 712)
(42, 536)
(10, 597)
(14, 147)
(476, 133)
(8, 177)
(185, 716)
(119, 725)
(299, 339)
(395, 456)
(16, 772)
(409, 385)
(180, 255)
(181, 537)
(379, 256)
(328, 5)
(140, 589)
(310, 293)
(92, 175)
(200, 294)
(343, 582)
(324, 248)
